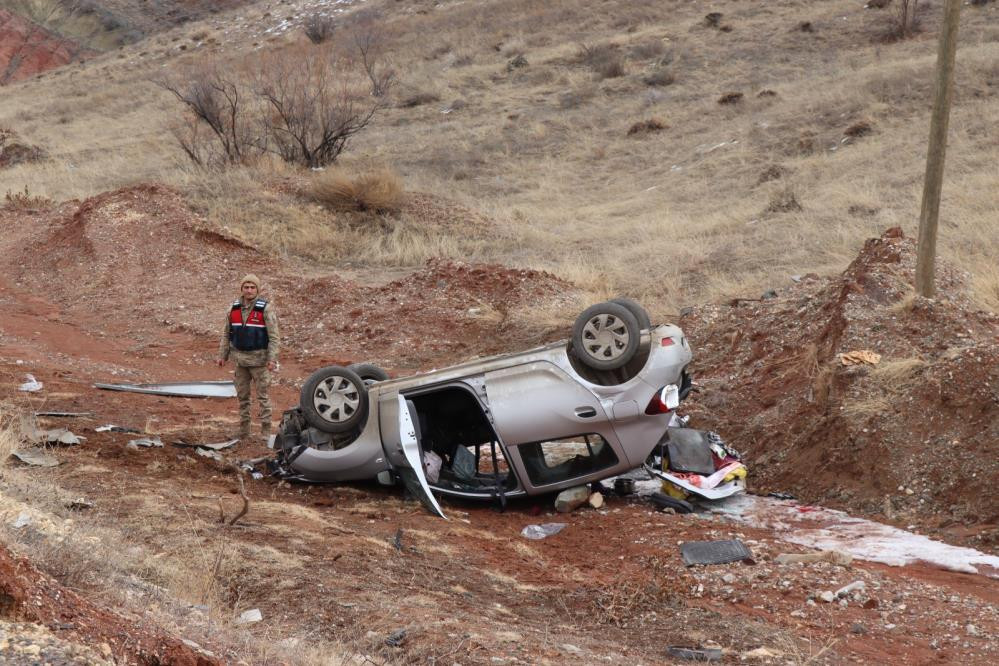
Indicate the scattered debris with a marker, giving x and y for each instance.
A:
(571, 498)
(23, 520)
(846, 590)
(252, 615)
(538, 532)
(80, 504)
(217, 446)
(624, 486)
(209, 389)
(30, 385)
(707, 653)
(859, 357)
(831, 556)
(714, 552)
(54, 436)
(64, 414)
(396, 638)
(208, 453)
(36, 456)
(781, 496)
(759, 653)
(115, 428)
(674, 504)
(147, 442)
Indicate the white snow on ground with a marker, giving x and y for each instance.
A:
(827, 529)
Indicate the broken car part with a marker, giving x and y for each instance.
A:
(711, 653)
(64, 414)
(714, 552)
(36, 456)
(30, 385)
(537, 532)
(115, 428)
(209, 389)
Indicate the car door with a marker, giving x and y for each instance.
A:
(401, 440)
(536, 404)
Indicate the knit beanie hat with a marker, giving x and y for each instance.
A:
(250, 277)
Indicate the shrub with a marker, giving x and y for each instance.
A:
(730, 98)
(859, 129)
(313, 103)
(25, 200)
(604, 59)
(660, 77)
(784, 201)
(419, 99)
(647, 50)
(14, 152)
(318, 28)
(903, 22)
(376, 191)
(647, 126)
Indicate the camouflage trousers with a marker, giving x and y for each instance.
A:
(244, 377)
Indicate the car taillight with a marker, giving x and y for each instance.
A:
(664, 401)
(668, 342)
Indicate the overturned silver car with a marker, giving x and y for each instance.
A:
(566, 414)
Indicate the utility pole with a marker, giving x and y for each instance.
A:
(930, 212)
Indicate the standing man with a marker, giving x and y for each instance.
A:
(252, 337)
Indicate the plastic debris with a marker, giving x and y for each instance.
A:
(23, 520)
(31, 385)
(36, 456)
(217, 446)
(846, 590)
(54, 436)
(117, 428)
(146, 442)
(210, 389)
(252, 615)
(79, 504)
(208, 453)
(537, 532)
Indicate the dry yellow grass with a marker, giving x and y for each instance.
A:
(677, 218)
(377, 191)
(886, 384)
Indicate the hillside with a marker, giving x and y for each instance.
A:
(750, 171)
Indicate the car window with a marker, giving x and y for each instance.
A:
(567, 458)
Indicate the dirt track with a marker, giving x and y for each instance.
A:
(319, 561)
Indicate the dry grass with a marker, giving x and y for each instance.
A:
(885, 385)
(542, 148)
(377, 192)
(10, 430)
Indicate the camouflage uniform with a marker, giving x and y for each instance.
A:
(251, 366)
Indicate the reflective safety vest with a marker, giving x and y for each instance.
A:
(250, 335)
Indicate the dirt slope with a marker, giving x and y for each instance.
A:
(27, 49)
(911, 438)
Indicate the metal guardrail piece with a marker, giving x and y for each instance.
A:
(210, 389)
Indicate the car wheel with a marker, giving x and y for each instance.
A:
(369, 372)
(605, 336)
(334, 399)
(641, 315)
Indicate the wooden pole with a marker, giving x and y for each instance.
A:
(930, 212)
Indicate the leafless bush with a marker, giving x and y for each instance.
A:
(25, 201)
(903, 20)
(318, 28)
(377, 191)
(14, 152)
(659, 77)
(316, 101)
(369, 40)
(419, 99)
(218, 101)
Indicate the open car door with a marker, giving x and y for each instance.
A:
(415, 477)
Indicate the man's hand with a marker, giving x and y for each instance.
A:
(272, 365)
(220, 362)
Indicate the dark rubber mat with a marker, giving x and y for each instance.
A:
(714, 552)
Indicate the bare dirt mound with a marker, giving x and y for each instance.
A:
(139, 259)
(28, 594)
(911, 437)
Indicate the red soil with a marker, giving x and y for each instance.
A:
(27, 49)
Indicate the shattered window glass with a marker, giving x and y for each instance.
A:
(568, 458)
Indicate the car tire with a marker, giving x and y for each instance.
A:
(641, 315)
(369, 372)
(334, 399)
(664, 501)
(605, 336)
